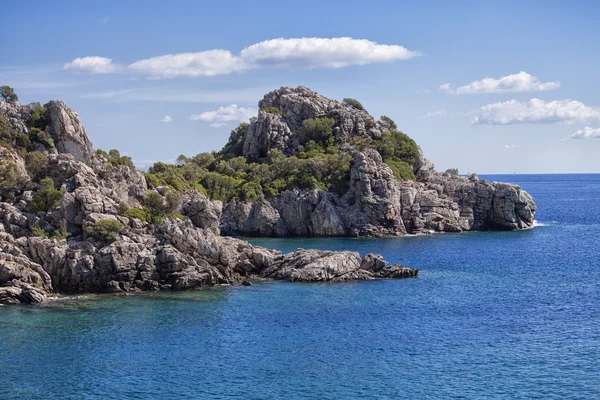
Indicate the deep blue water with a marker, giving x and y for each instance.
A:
(493, 315)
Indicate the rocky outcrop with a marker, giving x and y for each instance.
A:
(68, 132)
(279, 131)
(376, 204)
(173, 256)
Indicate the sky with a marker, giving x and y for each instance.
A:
(487, 87)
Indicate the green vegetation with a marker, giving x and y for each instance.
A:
(353, 103)
(105, 230)
(225, 176)
(38, 139)
(115, 158)
(36, 163)
(8, 94)
(235, 145)
(156, 208)
(319, 130)
(272, 110)
(46, 198)
(58, 234)
(10, 180)
(397, 150)
(388, 123)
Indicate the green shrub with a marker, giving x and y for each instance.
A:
(353, 103)
(138, 213)
(46, 198)
(235, 145)
(38, 116)
(8, 94)
(58, 234)
(10, 181)
(402, 171)
(36, 163)
(319, 130)
(43, 137)
(388, 123)
(102, 153)
(155, 201)
(8, 133)
(272, 110)
(173, 200)
(105, 230)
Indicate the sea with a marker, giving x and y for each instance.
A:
(492, 315)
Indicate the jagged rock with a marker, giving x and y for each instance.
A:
(21, 280)
(17, 115)
(203, 212)
(68, 132)
(330, 266)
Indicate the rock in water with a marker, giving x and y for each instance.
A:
(376, 203)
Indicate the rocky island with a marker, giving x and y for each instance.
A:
(74, 219)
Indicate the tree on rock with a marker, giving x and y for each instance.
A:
(8, 94)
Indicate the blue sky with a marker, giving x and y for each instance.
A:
(399, 56)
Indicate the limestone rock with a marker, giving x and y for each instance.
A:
(68, 132)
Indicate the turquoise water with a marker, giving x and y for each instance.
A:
(493, 315)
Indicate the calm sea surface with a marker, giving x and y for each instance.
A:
(493, 315)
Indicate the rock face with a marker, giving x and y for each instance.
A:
(376, 204)
(271, 131)
(68, 132)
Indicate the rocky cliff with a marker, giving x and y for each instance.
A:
(376, 203)
(67, 233)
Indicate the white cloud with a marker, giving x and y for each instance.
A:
(586, 133)
(442, 113)
(515, 83)
(293, 53)
(166, 118)
(224, 115)
(322, 52)
(439, 113)
(92, 65)
(204, 63)
(536, 111)
(511, 146)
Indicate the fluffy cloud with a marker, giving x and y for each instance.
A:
(586, 133)
(515, 83)
(292, 53)
(204, 63)
(166, 118)
(510, 146)
(224, 115)
(536, 111)
(322, 52)
(445, 86)
(92, 65)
